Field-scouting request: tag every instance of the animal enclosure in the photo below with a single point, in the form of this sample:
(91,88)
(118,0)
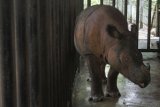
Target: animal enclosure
(143,13)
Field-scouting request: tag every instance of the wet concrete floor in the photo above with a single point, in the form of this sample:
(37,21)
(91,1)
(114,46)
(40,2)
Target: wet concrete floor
(131,94)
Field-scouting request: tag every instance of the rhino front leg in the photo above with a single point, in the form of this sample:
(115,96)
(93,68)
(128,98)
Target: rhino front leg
(112,90)
(102,74)
(96,84)
(102,71)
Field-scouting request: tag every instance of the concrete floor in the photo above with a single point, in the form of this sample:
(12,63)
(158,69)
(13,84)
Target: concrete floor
(131,94)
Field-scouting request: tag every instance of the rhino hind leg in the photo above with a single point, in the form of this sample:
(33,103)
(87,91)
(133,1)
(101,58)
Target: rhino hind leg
(96,84)
(112,90)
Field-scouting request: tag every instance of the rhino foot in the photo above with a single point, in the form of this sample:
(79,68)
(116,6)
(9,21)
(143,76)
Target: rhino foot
(113,94)
(96,98)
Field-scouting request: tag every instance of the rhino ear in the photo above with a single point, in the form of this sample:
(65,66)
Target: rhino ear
(113,32)
(134,29)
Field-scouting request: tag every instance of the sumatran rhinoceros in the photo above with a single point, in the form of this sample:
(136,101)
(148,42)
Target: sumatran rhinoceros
(102,37)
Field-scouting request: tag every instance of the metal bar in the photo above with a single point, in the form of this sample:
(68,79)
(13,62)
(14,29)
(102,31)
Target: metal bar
(158,21)
(134,30)
(149,23)
(53,55)
(6,58)
(32,61)
(1,57)
(113,3)
(21,54)
(49,30)
(125,8)
(61,60)
(44,94)
(137,16)
(88,3)
(101,2)
(14,34)
(149,50)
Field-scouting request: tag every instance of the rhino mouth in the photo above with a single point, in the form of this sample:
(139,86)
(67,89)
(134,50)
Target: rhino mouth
(143,78)
(143,85)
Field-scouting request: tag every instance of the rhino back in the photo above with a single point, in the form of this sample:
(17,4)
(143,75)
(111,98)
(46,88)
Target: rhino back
(91,36)
(79,33)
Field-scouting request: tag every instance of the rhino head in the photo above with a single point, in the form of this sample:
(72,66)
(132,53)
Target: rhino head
(125,57)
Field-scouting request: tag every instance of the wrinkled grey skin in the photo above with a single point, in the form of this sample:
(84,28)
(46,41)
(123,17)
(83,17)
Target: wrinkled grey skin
(102,37)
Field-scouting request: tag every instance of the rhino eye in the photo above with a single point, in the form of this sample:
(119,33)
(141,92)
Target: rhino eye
(124,59)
